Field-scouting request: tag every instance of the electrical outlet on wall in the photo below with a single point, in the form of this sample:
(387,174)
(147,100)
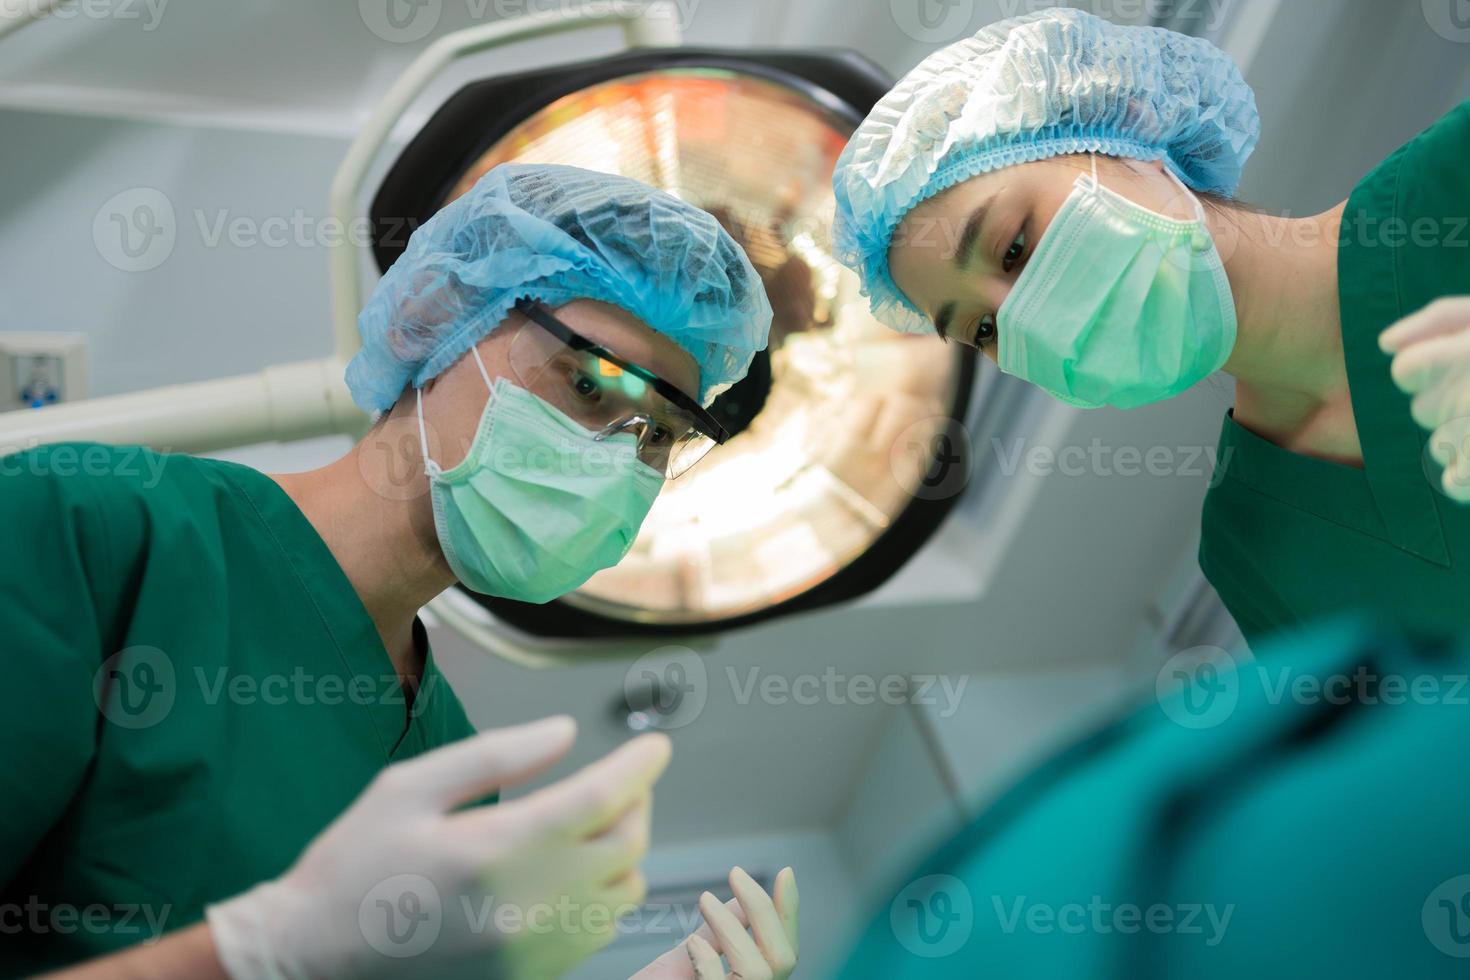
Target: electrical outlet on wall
(40,369)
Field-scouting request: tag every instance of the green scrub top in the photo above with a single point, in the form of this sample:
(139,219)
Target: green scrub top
(1287,538)
(196,691)
(1234,830)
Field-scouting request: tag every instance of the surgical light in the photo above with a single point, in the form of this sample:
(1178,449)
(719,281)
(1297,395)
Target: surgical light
(819,495)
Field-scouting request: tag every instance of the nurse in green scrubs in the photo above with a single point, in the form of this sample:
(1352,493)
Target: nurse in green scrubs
(1288,818)
(208,664)
(1055,191)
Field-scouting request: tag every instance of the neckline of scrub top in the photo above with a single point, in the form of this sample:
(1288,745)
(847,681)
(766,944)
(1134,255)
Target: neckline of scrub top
(1332,491)
(1391,498)
(1370,296)
(343,615)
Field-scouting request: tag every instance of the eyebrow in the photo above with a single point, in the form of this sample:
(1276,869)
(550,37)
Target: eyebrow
(964,255)
(970,239)
(943,320)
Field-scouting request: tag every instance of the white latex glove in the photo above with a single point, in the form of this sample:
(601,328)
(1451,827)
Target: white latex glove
(769,955)
(407,884)
(1432,362)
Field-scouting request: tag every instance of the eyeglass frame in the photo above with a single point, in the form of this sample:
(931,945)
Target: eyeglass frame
(705,423)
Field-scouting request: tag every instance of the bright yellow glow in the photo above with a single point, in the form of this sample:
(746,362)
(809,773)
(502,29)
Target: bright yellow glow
(814,479)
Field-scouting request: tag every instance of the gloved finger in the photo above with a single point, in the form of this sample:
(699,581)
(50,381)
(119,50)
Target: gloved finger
(609,858)
(1450,446)
(1456,480)
(1423,365)
(1437,410)
(788,906)
(587,800)
(706,961)
(598,912)
(591,865)
(1446,400)
(740,950)
(1450,441)
(1438,318)
(770,933)
(629,836)
(625,895)
(636,821)
(707,933)
(676,962)
(477,766)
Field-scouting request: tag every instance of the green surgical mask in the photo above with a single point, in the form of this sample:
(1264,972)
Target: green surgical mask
(539,504)
(1120,306)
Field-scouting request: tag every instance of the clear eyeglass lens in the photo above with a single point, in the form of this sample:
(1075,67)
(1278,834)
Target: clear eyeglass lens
(604,398)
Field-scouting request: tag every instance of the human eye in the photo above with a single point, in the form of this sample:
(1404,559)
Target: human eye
(1015,254)
(583,385)
(986,332)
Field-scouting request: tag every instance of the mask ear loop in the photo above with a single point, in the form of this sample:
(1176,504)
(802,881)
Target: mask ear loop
(1199,208)
(431,467)
(1096,183)
(490,385)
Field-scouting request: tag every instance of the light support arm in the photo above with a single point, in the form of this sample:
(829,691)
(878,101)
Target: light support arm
(650,25)
(307,399)
(300,401)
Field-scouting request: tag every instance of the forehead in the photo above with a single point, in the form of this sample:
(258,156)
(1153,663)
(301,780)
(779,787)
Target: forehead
(630,338)
(921,256)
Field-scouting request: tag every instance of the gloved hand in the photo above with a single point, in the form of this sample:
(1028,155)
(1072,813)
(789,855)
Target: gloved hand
(407,884)
(770,955)
(1432,363)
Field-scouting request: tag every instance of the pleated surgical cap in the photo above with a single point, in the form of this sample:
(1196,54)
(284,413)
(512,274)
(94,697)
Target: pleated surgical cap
(557,234)
(1058,82)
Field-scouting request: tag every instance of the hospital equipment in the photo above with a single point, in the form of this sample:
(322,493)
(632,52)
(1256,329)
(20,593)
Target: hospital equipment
(750,137)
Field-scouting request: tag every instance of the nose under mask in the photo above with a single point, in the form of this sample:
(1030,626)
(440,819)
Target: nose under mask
(539,504)
(1120,306)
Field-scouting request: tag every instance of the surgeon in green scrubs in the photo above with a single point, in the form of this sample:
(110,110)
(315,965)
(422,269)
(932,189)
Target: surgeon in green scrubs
(1286,817)
(1056,191)
(207,664)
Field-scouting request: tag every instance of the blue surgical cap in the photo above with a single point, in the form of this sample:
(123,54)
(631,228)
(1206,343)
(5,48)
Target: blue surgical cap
(557,234)
(1044,85)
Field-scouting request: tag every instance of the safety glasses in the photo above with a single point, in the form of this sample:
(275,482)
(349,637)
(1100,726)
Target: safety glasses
(610,395)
